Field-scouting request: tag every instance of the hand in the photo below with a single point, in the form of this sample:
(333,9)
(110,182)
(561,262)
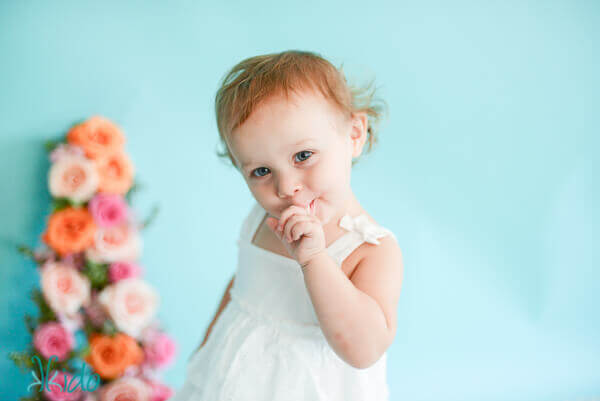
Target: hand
(301,232)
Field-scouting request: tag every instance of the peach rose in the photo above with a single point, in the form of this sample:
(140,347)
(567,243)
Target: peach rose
(73,177)
(131,304)
(126,389)
(70,230)
(64,288)
(111,356)
(119,243)
(116,173)
(97,136)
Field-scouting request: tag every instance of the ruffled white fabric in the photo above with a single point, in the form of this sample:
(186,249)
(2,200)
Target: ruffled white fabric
(361,224)
(267,344)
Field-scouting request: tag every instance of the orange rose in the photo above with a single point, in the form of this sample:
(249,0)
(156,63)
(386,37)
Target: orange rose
(110,356)
(116,173)
(70,230)
(97,136)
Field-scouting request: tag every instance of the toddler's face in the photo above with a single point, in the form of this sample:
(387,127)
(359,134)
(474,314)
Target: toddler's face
(291,153)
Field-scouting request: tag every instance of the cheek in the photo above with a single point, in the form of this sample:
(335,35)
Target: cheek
(260,192)
(326,177)
(318,178)
(264,193)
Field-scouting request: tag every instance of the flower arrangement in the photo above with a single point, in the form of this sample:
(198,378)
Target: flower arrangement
(91,284)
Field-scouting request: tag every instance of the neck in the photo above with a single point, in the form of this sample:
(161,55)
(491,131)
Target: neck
(351,207)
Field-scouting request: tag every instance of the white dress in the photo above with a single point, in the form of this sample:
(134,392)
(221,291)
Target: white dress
(267,344)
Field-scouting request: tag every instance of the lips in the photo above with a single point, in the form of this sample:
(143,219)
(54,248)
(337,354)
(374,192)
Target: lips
(312,205)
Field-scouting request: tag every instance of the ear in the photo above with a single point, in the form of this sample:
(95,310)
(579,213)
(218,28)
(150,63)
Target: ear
(358,133)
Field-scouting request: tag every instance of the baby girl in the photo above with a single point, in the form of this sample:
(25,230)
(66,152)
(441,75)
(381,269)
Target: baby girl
(311,309)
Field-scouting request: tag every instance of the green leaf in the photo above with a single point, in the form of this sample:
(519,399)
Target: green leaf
(22,359)
(97,273)
(59,204)
(153,213)
(83,352)
(30,323)
(62,203)
(27,251)
(36,396)
(46,313)
(109,328)
(137,185)
(88,327)
(50,144)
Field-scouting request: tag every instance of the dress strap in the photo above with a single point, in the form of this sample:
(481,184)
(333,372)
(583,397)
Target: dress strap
(251,222)
(361,229)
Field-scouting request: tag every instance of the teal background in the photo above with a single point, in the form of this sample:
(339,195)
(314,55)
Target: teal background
(483,170)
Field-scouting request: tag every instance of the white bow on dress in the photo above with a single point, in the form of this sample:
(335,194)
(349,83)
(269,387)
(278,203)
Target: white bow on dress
(361,224)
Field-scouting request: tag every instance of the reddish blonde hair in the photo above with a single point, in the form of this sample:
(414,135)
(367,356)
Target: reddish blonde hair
(257,78)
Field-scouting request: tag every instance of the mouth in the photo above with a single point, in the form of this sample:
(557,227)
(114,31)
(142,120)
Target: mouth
(311,207)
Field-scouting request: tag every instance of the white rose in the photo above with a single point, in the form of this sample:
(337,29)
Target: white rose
(119,243)
(64,288)
(73,177)
(131,304)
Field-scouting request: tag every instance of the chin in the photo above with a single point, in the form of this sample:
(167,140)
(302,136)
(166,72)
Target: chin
(321,214)
(324,219)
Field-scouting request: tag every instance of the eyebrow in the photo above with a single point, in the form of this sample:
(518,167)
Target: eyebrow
(293,145)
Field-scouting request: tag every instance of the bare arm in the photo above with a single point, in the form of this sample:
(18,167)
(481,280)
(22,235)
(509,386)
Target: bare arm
(358,315)
(222,305)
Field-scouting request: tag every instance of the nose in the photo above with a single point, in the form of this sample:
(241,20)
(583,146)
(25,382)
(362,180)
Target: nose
(288,186)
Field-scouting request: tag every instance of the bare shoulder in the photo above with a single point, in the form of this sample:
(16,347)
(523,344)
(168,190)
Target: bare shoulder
(379,273)
(383,257)
(387,252)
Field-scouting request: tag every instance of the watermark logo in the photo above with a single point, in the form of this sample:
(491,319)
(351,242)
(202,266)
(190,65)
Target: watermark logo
(46,382)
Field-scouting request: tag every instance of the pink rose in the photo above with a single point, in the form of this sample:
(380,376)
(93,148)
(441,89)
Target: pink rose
(108,209)
(159,349)
(122,270)
(53,339)
(160,392)
(62,393)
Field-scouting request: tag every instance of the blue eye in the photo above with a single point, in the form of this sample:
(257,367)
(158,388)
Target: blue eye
(260,169)
(304,152)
